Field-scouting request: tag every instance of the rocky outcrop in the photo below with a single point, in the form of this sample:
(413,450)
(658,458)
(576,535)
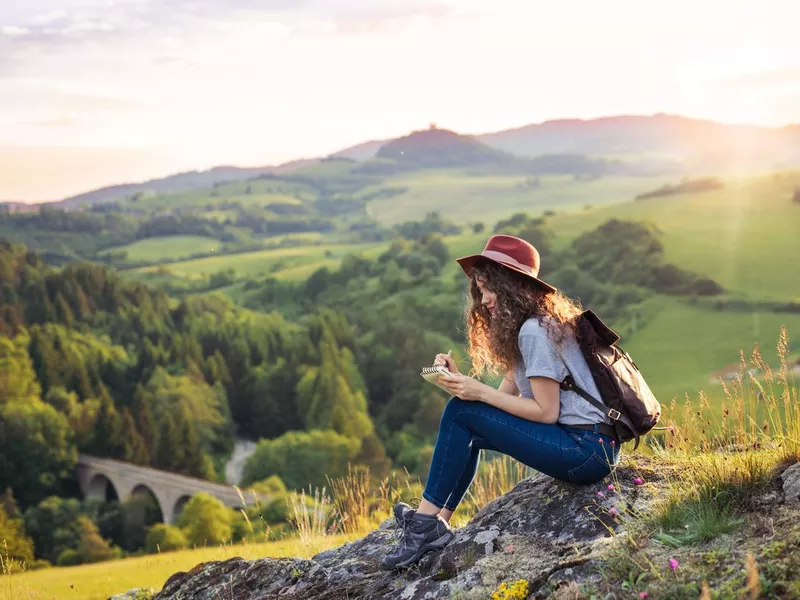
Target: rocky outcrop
(791,484)
(543,531)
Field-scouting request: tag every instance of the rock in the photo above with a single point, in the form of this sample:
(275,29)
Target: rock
(791,484)
(137,594)
(544,531)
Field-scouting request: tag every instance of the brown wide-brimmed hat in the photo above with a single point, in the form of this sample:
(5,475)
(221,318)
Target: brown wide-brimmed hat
(511,252)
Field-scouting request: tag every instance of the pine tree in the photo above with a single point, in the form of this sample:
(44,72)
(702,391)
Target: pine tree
(108,439)
(135,449)
(145,422)
(64,311)
(169,451)
(333,402)
(193,460)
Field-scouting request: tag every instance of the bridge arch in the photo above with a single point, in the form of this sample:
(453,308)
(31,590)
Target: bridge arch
(150,502)
(179,504)
(101,488)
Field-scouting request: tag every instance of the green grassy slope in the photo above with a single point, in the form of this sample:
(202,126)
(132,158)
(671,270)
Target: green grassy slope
(173,246)
(681,347)
(261,261)
(489,198)
(744,236)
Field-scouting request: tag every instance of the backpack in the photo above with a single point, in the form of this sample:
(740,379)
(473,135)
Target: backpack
(627,399)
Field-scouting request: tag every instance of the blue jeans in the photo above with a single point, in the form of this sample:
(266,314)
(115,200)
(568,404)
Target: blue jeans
(574,455)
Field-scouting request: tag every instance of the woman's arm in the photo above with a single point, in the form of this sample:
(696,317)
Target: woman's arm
(544,408)
(508,385)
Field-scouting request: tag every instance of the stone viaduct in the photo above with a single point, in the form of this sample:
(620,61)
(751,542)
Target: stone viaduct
(170,490)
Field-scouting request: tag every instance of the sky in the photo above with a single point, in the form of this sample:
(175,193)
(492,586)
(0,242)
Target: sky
(97,92)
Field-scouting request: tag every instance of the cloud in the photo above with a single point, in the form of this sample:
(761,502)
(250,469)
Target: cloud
(13,31)
(764,80)
(76,27)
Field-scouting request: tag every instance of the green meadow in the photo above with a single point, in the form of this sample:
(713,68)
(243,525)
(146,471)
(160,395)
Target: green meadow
(259,192)
(681,347)
(745,236)
(466,198)
(263,261)
(173,246)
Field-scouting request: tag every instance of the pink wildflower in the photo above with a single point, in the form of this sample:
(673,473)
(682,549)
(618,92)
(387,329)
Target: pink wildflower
(601,495)
(613,443)
(643,595)
(638,481)
(613,512)
(610,487)
(673,564)
(600,440)
(510,548)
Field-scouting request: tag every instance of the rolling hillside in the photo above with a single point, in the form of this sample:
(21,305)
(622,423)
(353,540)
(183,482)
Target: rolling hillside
(665,140)
(698,145)
(744,235)
(180,181)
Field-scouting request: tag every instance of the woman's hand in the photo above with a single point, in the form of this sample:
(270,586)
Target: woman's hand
(464,387)
(447,361)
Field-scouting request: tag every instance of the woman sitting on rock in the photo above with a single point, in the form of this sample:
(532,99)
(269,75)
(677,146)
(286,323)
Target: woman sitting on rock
(523,327)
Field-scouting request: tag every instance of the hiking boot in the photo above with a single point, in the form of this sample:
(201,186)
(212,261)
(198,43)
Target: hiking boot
(402,511)
(420,534)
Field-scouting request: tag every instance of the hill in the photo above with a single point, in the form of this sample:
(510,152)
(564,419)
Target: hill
(179,182)
(666,143)
(701,144)
(435,148)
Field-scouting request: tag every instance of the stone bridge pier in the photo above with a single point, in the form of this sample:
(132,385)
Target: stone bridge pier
(172,491)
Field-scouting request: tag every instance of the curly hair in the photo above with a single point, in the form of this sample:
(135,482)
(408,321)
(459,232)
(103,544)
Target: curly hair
(493,340)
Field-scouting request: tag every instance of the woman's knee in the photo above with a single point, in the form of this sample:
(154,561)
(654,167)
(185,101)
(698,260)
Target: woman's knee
(454,407)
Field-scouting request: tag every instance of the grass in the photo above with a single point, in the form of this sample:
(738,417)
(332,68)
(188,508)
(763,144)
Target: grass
(173,246)
(262,192)
(101,580)
(467,198)
(744,236)
(262,261)
(682,346)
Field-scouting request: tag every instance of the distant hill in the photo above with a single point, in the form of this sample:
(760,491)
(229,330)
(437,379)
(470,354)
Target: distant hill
(181,182)
(361,152)
(433,148)
(699,143)
(657,142)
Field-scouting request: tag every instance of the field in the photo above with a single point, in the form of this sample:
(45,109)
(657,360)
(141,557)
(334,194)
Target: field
(467,199)
(173,246)
(99,581)
(682,346)
(264,261)
(744,236)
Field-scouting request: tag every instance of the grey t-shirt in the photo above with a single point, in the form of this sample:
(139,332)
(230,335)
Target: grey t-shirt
(540,357)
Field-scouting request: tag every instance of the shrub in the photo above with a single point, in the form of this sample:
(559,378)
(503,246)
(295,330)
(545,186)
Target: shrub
(163,538)
(91,546)
(13,541)
(68,558)
(205,520)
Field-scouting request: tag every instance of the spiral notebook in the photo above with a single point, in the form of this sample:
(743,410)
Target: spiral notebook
(432,374)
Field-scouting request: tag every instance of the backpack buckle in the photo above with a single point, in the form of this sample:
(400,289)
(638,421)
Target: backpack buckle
(614,414)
